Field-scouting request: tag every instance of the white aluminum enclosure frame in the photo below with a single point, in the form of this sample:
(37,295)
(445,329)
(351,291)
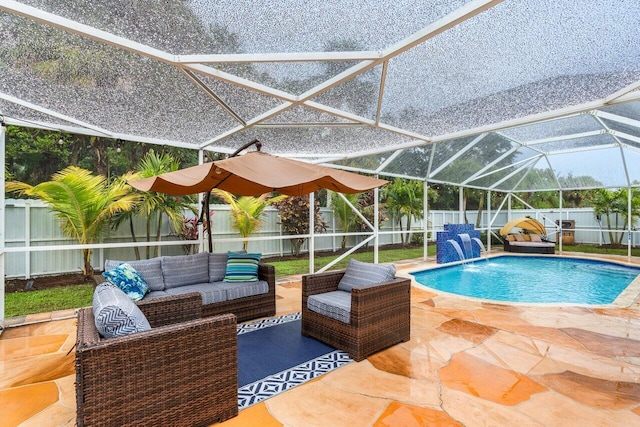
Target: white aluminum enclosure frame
(2,223)
(195,67)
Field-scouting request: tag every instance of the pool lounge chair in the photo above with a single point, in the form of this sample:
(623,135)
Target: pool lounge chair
(528,243)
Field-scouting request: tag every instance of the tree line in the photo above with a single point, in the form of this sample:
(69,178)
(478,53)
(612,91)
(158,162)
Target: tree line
(90,194)
(87,202)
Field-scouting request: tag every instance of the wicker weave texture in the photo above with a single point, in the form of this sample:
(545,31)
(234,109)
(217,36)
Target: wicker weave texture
(380,315)
(180,373)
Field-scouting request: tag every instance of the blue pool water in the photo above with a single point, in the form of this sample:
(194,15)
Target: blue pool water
(533,280)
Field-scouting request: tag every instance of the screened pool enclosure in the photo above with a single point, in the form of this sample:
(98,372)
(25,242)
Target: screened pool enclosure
(507,96)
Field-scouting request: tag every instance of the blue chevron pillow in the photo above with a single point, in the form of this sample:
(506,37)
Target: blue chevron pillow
(115,314)
(129,280)
(242,267)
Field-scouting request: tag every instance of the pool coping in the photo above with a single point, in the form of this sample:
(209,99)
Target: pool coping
(625,299)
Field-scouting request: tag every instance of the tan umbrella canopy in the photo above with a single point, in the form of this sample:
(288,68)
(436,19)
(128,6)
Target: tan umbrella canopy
(253,174)
(526,223)
(257,173)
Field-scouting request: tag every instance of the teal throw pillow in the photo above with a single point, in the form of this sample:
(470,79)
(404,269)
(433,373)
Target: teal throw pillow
(242,267)
(128,280)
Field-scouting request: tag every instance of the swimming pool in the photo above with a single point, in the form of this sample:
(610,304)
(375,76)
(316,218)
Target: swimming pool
(533,279)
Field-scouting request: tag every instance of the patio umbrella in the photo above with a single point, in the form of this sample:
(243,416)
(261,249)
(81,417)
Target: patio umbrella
(257,173)
(253,174)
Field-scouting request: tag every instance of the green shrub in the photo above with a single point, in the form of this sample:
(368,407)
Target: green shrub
(417,238)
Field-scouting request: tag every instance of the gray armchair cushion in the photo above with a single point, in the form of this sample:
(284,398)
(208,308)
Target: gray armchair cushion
(115,314)
(362,274)
(183,270)
(149,269)
(335,304)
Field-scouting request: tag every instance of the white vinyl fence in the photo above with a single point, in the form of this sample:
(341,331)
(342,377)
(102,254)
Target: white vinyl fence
(588,229)
(29,223)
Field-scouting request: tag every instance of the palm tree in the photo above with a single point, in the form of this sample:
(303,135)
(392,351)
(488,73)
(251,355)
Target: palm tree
(607,202)
(623,208)
(83,202)
(602,202)
(404,198)
(246,211)
(154,206)
(348,219)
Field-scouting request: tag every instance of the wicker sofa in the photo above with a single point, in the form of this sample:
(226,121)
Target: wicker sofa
(379,316)
(182,372)
(203,273)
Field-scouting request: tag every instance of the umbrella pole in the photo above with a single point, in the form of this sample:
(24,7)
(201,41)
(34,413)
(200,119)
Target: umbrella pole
(207,196)
(206,209)
(205,217)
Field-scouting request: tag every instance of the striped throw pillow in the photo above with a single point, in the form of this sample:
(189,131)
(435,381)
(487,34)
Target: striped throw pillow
(242,267)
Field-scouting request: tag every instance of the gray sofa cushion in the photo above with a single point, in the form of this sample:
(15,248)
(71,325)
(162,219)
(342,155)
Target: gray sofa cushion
(156,294)
(211,292)
(217,266)
(149,269)
(363,274)
(184,270)
(335,304)
(115,314)
(245,289)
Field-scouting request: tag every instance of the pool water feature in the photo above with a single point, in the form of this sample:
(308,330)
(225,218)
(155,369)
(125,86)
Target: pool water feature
(468,247)
(480,244)
(447,252)
(533,279)
(457,248)
(466,244)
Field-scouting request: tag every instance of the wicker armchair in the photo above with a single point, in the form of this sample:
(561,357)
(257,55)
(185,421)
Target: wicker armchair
(182,372)
(380,315)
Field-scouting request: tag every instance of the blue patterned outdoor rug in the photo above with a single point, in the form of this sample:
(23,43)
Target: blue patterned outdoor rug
(273,357)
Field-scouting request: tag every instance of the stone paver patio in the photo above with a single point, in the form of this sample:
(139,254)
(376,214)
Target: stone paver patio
(468,363)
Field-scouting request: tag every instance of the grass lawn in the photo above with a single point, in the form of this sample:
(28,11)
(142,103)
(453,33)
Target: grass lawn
(599,250)
(44,300)
(301,266)
(74,296)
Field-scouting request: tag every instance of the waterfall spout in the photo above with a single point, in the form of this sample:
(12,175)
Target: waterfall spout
(458,249)
(479,242)
(466,244)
